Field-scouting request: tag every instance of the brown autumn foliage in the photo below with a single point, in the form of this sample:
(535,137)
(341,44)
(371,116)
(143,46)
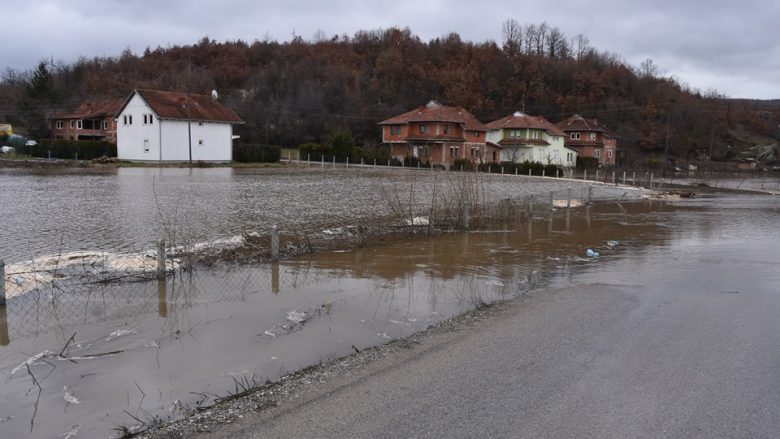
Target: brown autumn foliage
(290,93)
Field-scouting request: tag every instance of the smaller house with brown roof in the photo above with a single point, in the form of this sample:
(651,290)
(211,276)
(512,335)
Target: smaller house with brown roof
(590,138)
(522,137)
(437,134)
(92,120)
(155,125)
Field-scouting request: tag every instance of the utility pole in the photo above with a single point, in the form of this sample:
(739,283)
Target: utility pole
(189,115)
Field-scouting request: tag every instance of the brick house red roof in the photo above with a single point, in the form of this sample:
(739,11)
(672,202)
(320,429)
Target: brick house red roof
(519,120)
(435,112)
(173,105)
(94,108)
(579,123)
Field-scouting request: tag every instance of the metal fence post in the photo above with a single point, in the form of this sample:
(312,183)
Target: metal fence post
(161,260)
(624,178)
(544,171)
(274,243)
(334,161)
(529,172)
(633,178)
(2,283)
(347,163)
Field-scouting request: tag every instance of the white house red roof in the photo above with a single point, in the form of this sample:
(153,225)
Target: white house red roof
(173,105)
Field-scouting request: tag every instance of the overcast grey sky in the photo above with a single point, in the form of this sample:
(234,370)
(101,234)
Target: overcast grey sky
(731,46)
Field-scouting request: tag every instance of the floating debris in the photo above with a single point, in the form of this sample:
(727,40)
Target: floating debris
(591,253)
(612,244)
(69,396)
(418,221)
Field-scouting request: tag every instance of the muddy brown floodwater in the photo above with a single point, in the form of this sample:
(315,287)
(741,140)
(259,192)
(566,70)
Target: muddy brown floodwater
(147,351)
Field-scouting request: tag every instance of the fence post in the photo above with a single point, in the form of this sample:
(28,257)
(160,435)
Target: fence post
(347,163)
(516,170)
(502,170)
(552,201)
(375,163)
(633,178)
(597,175)
(322,164)
(568,197)
(652,177)
(624,178)
(465,217)
(529,172)
(585,175)
(388,163)
(308,160)
(590,194)
(161,260)
(2,282)
(334,162)
(274,243)
(544,171)
(614,179)
(557,173)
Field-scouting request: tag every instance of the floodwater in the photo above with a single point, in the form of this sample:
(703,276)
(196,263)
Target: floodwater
(151,350)
(48,212)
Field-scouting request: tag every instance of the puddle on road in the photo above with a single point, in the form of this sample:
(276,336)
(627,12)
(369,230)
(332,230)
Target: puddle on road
(152,350)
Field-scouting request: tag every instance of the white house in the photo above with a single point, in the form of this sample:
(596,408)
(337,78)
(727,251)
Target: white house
(530,138)
(154,125)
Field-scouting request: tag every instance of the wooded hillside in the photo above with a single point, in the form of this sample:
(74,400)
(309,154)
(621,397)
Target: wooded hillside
(290,93)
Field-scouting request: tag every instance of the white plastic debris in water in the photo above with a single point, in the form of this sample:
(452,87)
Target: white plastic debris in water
(612,244)
(591,253)
(119,333)
(495,283)
(418,221)
(69,396)
(297,316)
(74,432)
(336,231)
(30,361)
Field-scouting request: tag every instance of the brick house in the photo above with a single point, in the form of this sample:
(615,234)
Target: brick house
(590,138)
(437,134)
(522,137)
(92,120)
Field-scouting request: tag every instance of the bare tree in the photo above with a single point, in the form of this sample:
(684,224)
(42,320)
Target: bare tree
(513,37)
(531,32)
(580,45)
(556,44)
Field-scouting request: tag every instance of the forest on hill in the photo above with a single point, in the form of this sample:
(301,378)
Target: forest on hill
(296,92)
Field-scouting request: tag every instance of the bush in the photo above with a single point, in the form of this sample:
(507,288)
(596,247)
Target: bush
(314,151)
(256,153)
(465,164)
(70,149)
(587,163)
(413,162)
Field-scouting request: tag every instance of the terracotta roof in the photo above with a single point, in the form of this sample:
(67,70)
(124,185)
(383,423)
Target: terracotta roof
(173,105)
(521,142)
(520,120)
(579,123)
(435,112)
(94,108)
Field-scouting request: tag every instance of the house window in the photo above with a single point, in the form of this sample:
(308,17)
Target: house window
(535,134)
(105,125)
(514,134)
(200,142)
(127,119)
(592,136)
(146,145)
(423,129)
(395,130)
(72,124)
(453,151)
(475,133)
(148,119)
(575,136)
(79,124)
(474,152)
(598,153)
(609,153)
(446,129)
(60,124)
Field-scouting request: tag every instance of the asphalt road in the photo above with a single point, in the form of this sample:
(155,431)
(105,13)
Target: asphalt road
(588,361)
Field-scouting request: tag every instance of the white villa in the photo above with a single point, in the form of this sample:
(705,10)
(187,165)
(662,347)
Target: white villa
(154,125)
(527,138)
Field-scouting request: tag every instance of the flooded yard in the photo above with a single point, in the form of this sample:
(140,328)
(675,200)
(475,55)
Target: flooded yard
(111,356)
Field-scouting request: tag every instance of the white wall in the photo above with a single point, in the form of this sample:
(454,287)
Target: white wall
(210,141)
(130,138)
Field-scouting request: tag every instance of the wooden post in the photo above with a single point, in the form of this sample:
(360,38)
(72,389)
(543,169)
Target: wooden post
(308,160)
(515,170)
(651,180)
(274,243)
(347,163)
(334,161)
(614,180)
(529,172)
(633,178)
(275,278)
(624,178)
(568,197)
(375,163)
(544,171)
(161,260)
(2,283)
(322,157)
(502,170)
(585,175)
(597,175)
